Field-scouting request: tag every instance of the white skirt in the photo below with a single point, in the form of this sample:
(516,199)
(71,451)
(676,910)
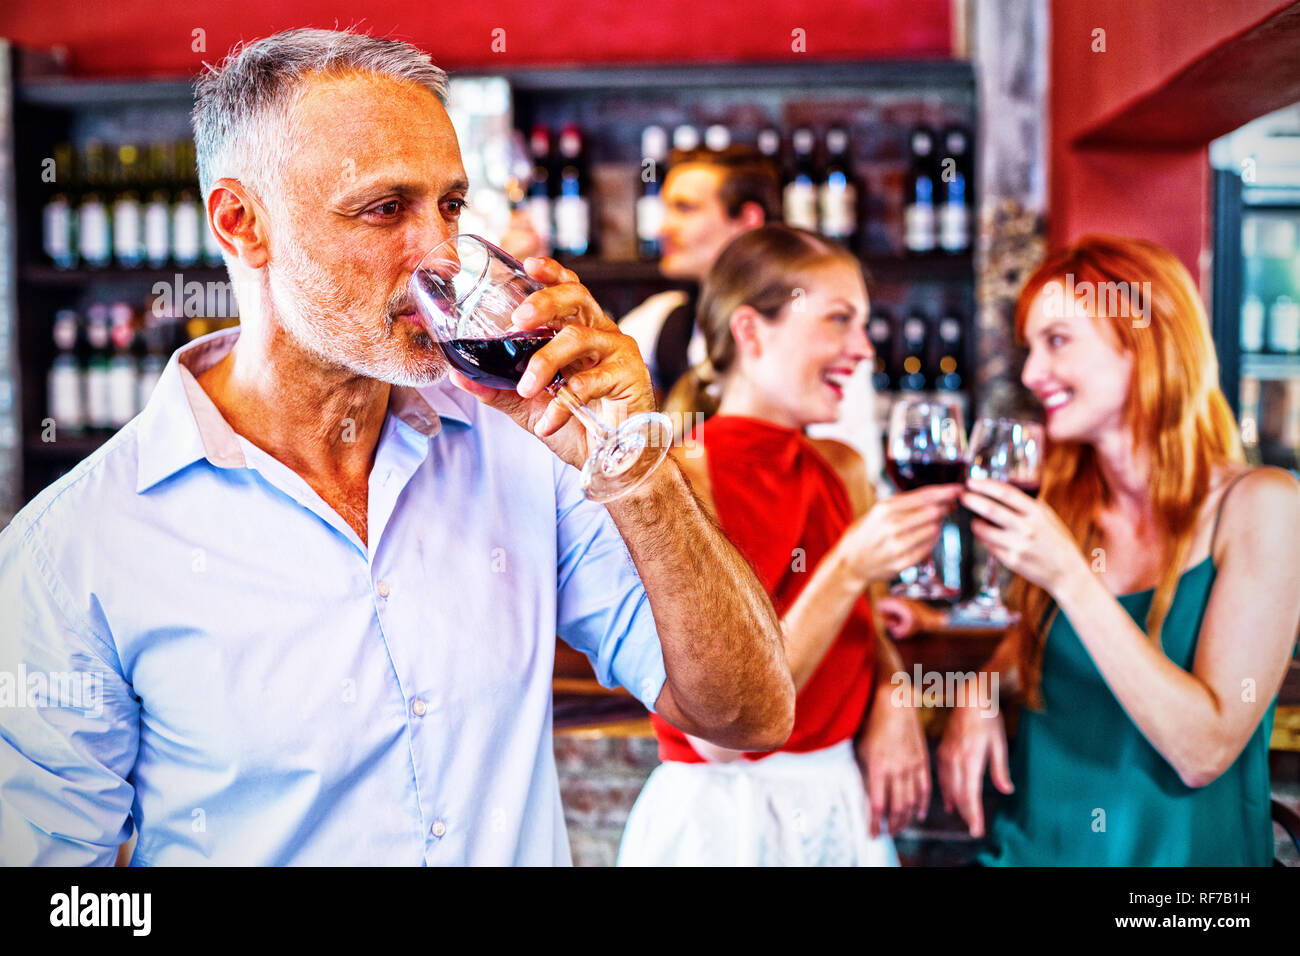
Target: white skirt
(789,809)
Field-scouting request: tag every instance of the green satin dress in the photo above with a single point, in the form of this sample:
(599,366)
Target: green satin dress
(1091,791)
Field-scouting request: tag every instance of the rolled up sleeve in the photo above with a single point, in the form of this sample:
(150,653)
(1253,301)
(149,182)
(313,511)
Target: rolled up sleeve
(69,721)
(602,606)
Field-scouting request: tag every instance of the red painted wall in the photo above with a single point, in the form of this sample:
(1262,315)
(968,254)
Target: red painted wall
(145,37)
(1160,195)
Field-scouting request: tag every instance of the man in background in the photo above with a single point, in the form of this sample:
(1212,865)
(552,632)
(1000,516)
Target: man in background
(710,197)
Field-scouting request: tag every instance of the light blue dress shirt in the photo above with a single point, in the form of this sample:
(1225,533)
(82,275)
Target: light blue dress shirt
(196,645)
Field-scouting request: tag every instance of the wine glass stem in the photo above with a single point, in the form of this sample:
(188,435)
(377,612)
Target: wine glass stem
(580,411)
(992,581)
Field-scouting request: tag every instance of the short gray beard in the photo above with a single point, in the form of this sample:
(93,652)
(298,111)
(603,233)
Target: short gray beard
(319,316)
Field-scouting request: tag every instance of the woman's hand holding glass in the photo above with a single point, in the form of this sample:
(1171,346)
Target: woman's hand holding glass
(896,533)
(1023,534)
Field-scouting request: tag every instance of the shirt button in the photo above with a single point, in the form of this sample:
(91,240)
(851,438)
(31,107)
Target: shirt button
(418,708)
(382,588)
(438,828)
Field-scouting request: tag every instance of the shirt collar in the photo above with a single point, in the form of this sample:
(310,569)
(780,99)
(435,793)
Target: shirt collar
(180,424)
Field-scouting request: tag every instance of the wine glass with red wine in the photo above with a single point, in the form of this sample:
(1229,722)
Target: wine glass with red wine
(465,291)
(926,446)
(1010,450)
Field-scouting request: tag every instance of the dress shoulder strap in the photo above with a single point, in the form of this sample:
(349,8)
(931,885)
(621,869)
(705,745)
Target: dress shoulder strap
(1218,514)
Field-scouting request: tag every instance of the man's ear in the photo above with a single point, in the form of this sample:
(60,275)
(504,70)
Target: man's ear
(238,222)
(751,215)
(745,322)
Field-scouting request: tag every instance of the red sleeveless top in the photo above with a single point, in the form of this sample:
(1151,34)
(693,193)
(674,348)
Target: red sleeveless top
(784,507)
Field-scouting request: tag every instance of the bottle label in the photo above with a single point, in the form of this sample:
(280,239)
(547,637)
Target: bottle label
(98,411)
(571,224)
(800,202)
(954,226)
(649,217)
(65,395)
(157,233)
(918,227)
(122,391)
(1252,325)
(839,211)
(539,214)
(128,232)
(1284,326)
(151,370)
(186,243)
(58,233)
(93,234)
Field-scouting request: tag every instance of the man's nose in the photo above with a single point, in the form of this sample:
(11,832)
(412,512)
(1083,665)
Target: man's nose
(430,235)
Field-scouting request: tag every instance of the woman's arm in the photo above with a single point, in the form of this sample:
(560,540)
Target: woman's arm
(1198,721)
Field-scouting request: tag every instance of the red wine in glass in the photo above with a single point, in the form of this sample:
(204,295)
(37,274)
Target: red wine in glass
(496,362)
(910,474)
(1028,488)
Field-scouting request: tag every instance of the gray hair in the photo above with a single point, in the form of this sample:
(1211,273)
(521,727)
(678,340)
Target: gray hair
(242,108)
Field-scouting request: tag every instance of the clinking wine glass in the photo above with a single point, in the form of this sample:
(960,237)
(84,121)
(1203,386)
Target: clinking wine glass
(926,446)
(465,290)
(1010,450)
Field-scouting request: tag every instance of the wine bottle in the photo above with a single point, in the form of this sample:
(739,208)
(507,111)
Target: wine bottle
(187,208)
(769,145)
(919,212)
(572,204)
(66,384)
(799,196)
(880,330)
(650,205)
(158,207)
(98,410)
(58,218)
(150,341)
(1252,324)
(123,389)
(94,224)
(948,367)
(914,348)
(954,189)
(128,211)
(1284,326)
(539,188)
(837,196)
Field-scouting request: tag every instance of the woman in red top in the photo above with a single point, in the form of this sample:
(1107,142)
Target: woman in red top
(784,312)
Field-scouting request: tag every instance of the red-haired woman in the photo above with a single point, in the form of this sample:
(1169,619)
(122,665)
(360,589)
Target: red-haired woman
(1159,582)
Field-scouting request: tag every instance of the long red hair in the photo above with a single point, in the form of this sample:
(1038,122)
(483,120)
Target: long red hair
(1175,411)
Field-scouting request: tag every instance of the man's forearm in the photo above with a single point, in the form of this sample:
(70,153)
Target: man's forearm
(728,679)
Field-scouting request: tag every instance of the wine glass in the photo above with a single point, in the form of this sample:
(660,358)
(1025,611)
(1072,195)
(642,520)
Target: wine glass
(1010,450)
(465,290)
(926,446)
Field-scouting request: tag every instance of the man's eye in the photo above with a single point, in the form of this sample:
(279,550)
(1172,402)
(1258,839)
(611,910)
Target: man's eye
(458,206)
(386,210)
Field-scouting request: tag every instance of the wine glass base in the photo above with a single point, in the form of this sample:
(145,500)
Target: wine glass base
(977,613)
(628,457)
(925,591)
